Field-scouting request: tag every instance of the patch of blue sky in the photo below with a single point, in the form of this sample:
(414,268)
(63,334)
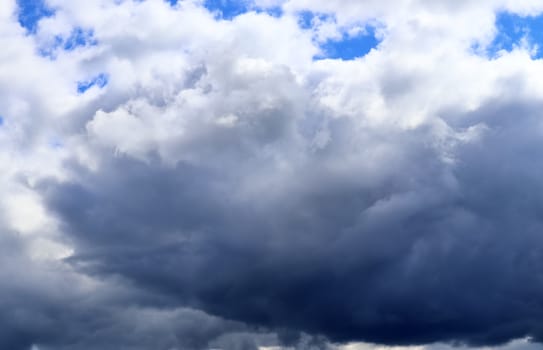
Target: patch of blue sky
(275,11)
(514,31)
(1,120)
(30,12)
(307,19)
(227,9)
(101,80)
(78,37)
(350,47)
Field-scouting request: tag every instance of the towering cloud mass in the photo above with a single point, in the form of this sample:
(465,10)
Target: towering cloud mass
(270,174)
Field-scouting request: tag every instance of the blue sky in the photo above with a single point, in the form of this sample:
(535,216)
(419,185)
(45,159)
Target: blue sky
(227,9)
(512,29)
(78,37)
(350,47)
(100,81)
(31,11)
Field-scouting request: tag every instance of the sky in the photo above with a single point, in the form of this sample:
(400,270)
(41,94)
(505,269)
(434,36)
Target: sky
(271,175)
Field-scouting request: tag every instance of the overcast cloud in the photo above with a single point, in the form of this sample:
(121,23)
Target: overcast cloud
(271,174)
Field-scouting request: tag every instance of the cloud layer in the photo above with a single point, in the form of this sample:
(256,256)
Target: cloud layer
(181,176)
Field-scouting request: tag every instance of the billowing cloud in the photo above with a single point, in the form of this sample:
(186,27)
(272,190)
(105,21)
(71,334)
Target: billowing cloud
(270,174)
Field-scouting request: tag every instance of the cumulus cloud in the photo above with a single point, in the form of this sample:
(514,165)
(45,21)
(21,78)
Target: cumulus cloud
(175,179)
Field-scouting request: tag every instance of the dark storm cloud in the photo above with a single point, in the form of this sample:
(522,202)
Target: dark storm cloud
(49,306)
(416,250)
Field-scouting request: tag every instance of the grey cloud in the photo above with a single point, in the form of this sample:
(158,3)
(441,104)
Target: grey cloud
(418,251)
(48,305)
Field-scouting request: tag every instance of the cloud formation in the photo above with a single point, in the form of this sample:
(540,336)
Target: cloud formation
(179,179)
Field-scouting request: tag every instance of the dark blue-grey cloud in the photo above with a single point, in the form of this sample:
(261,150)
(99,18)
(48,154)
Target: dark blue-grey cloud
(426,251)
